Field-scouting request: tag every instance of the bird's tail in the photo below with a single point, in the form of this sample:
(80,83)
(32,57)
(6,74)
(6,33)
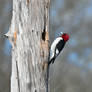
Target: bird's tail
(51,61)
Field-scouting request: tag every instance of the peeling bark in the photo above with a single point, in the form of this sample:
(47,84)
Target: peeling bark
(29,37)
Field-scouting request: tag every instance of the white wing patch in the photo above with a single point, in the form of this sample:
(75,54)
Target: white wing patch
(53,46)
(57,52)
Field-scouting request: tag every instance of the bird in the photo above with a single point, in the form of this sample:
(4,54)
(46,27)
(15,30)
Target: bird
(57,46)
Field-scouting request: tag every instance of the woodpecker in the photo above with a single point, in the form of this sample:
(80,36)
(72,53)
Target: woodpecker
(57,46)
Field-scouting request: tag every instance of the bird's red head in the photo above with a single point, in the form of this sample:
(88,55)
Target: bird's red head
(65,36)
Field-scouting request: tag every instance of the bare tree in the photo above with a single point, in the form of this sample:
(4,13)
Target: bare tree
(29,37)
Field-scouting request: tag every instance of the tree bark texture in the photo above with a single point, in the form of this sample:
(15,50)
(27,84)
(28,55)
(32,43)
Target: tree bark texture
(29,37)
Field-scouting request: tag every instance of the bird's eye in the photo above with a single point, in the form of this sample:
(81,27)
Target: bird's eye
(64,34)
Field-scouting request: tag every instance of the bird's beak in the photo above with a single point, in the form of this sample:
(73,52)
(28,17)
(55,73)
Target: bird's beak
(61,33)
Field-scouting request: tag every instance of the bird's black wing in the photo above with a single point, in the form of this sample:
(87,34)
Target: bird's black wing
(59,47)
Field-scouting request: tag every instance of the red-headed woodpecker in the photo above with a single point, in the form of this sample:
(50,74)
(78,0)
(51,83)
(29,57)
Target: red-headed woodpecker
(57,46)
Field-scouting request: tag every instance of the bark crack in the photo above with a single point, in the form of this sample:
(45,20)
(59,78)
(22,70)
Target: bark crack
(28,1)
(44,29)
(18,76)
(43,34)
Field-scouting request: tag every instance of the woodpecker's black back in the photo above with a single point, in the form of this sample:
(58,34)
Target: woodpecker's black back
(60,45)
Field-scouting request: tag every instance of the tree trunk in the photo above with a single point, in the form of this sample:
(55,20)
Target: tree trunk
(29,37)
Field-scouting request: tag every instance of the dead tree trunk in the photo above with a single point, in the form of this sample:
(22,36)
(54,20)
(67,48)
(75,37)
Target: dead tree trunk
(28,35)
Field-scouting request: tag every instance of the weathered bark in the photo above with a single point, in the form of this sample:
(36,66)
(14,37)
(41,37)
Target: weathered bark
(28,35)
